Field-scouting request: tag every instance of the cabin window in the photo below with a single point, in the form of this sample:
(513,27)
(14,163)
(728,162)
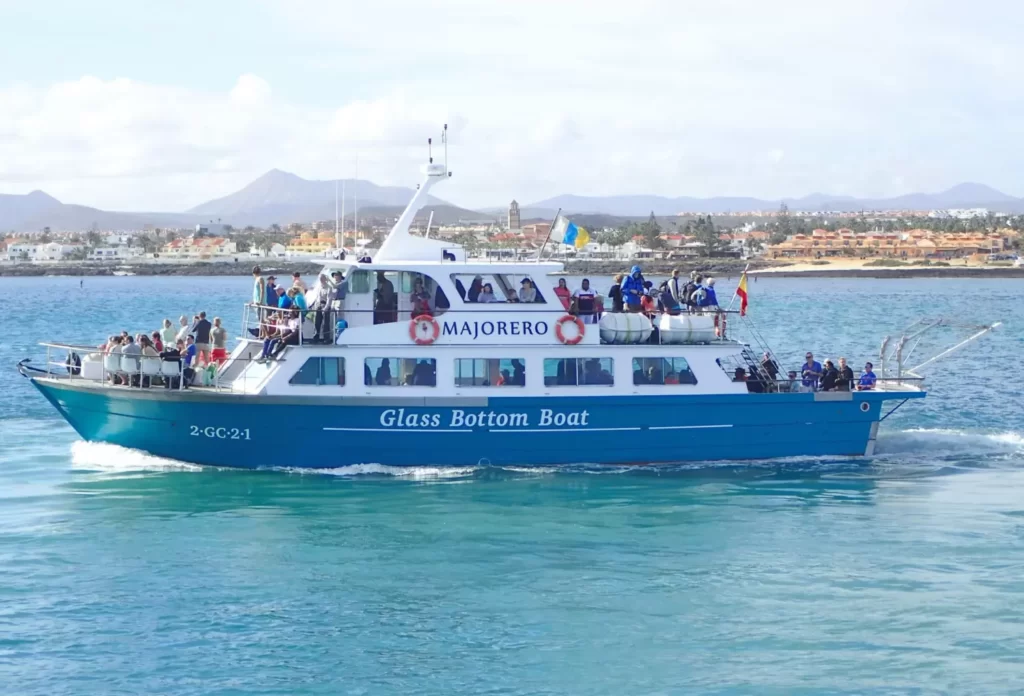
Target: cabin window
(490,372)
(358,282)
(400,372)
(320,372)
(487,288)
(578,372)
(662,371)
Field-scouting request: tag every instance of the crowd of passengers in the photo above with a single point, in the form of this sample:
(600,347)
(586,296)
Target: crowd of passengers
(813,376)
(196,348)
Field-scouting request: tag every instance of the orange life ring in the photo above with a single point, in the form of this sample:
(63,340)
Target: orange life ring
(580,330)
(429,324)
(720,329)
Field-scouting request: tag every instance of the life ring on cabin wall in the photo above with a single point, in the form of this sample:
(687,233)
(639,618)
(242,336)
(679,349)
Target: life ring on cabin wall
(720,326)
(560,333)
(424,330)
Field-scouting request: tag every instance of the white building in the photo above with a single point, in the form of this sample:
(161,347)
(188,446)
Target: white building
(53,251)
(115,253)
(21,251)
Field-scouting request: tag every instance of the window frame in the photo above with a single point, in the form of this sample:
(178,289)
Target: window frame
(691,381)
(320,373)
(581,370)
(401,375)
(457,375)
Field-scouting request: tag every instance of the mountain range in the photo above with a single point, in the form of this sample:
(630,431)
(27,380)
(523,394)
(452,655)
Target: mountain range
(967,195)
(281,197)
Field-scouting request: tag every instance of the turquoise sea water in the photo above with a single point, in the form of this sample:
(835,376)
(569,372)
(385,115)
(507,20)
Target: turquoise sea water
(123,574)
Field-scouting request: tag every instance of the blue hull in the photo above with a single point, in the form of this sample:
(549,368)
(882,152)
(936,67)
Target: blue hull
(255,432)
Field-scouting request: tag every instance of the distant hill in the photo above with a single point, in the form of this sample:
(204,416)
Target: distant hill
(967,195)
(283,197)
(15,210)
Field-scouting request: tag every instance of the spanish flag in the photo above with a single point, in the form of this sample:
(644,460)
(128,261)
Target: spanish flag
(741,290)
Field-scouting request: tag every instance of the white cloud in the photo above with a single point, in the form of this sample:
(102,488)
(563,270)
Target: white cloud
(545,97)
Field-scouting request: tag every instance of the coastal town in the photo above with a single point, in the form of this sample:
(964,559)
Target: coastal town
(780,239)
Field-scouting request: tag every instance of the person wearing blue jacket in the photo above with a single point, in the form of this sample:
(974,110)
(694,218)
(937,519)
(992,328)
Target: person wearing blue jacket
(710,299)
(633,289)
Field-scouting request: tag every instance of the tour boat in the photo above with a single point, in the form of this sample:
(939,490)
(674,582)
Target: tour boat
(473,383)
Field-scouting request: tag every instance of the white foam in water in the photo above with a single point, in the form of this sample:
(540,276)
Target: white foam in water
(413,472)
(107,458)
(941,441)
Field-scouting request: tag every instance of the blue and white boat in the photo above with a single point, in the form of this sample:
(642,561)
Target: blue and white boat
(500,383)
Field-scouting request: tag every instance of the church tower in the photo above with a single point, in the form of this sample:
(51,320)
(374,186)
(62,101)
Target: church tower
(513,216)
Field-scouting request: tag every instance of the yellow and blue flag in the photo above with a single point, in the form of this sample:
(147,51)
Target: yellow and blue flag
(570,233)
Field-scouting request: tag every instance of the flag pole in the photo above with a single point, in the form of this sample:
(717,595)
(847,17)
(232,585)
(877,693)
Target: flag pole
(735,293)
(540,254)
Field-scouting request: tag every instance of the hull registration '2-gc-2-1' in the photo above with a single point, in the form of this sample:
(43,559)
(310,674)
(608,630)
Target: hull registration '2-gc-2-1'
(418,355)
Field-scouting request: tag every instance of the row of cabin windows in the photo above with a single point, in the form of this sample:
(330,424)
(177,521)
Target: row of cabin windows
(497,372)
(504,287)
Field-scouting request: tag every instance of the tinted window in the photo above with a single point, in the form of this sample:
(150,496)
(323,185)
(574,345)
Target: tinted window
(359,282)
(397,372)
(490,372)
(321,372)
(662,371)
(578,372)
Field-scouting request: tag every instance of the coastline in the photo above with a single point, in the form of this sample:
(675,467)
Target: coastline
(277,266)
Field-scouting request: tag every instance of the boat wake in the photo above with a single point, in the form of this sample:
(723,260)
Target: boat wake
(914,446)
(100,457)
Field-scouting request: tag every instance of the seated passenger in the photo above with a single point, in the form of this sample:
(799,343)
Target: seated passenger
(639,377)
(671,378)
(789,384)
(423,374)
(504,379)
(527,293)
(518,373)
(473,295)
(563,294)
(486,294)
(654,375)
(511,296)
(283,301)
(420,299)
(867,379)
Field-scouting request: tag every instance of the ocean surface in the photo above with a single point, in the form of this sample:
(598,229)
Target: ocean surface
(903,574)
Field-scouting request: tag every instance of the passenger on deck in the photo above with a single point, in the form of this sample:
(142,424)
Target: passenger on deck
(168,334)
(158,343)
(633,289)
(829,377)
(711,301)
(699,296)
(219,340)
(769,367)
(486,294)
(789,384)
(259,286)
(385,304)
(647,299)
(190,351)
(201,330)
(511,296)
(593,374)
(289,335)
(475,288)
(298,282)
(283,301)
(754,386)
(322,304)
(420,299)
(677,287)
(173,354)
(563,293)
(504,379)
(299,300)
(810,373)
(583,303)
(672,378)
(183,328)
(688,290)
(845,380)
(867,379)
(666,300)
(615,293)
(527,293)
(132,349)
(383,376)
(272,296)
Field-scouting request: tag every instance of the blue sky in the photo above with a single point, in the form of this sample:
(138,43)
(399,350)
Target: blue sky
(129,105)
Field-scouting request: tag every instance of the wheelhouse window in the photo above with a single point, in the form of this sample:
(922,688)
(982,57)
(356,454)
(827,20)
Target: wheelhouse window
(400,372)
(490,372)
(320,372)
(578,372)
(662,371)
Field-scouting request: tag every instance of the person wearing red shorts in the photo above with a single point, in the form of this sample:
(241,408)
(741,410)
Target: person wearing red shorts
(219,339)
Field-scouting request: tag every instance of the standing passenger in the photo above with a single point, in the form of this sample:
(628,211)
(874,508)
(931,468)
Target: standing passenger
(219,337)
(615,293)
(563,293)
(584,297)
(633,289)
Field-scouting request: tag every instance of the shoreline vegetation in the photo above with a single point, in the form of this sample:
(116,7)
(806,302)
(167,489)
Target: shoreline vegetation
(718,267)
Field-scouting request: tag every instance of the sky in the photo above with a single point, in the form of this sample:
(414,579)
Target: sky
(162,106)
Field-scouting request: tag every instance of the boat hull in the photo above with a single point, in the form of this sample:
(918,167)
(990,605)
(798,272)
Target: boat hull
(249,431)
